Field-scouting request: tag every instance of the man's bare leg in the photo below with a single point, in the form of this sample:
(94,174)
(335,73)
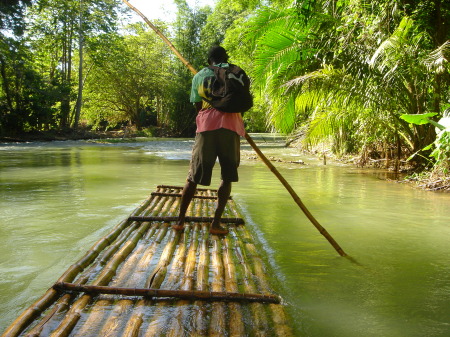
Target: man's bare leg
(186,197)
(223,193)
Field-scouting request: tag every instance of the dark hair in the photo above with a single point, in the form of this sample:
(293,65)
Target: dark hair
(217,54)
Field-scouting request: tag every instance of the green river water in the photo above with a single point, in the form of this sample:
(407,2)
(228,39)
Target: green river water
(58,198)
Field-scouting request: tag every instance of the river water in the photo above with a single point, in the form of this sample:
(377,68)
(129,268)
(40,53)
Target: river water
(58,198)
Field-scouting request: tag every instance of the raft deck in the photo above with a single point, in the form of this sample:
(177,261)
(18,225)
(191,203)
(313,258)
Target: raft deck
(146,279)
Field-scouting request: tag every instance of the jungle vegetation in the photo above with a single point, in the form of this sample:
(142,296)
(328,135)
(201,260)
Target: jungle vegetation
(367,78)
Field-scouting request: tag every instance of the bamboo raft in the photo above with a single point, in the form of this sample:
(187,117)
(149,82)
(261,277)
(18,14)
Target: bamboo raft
(146,279)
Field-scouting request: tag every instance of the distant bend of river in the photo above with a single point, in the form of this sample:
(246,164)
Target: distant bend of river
(58,198)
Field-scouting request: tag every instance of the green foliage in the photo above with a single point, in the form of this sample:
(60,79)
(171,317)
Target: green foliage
(419,119)
(349,70)
(217,24)
(129,78)
(126,78)
(441,151)
(38,68)
(187,40)
(11,15)
(27,98)
(345,71)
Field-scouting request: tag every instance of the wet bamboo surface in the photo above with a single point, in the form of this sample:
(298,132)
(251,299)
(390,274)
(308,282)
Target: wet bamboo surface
(146,279)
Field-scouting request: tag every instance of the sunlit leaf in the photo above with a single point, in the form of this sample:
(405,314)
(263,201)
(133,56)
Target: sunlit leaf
(418,119)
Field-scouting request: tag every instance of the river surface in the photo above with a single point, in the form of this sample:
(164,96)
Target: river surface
(58,198)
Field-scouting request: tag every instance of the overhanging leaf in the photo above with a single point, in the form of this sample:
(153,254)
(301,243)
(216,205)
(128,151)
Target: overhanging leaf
(418,119)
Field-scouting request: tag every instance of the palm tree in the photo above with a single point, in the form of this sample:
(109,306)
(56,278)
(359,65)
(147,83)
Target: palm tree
(348,73)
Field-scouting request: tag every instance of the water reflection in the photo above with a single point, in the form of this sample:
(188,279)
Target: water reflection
(59,198)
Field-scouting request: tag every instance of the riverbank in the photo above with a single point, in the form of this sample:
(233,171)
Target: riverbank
(59,135)
(403,171)
(82,134)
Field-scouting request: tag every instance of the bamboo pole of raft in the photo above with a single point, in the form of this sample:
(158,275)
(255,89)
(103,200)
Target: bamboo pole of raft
(51,295)
(278,314)
(236,326)
(217,324)
(134,317)
(259,318)
(135,269)
(183,308)
(160,271)
(99,314)
(73,315)
(62,304)
(281,323)
(106,320)
(249,139)
(136,320)
(177,328)
(160,317)
(199,324)
(181,315)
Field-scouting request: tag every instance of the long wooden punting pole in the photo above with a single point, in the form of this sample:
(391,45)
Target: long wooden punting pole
(266,161)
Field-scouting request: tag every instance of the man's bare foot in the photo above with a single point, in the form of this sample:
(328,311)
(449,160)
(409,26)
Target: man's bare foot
(218,230)
(178,227)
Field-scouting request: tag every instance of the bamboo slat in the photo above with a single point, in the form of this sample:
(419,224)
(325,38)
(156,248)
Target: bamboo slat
(198,325)
(181,322)
(179,189)
(178,195)
(51,295)
(280,320)
(182,294)
(218,324)
(105,276)
(98,313)
(109,324)
(160,317)
(146,279)
(236,327)
(209,219)
(260,325)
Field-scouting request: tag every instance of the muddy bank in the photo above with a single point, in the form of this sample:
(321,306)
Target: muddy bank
(82,134)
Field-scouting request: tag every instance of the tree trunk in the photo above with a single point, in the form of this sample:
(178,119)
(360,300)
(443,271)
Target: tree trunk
(80,71)
(5,83)
(67,75)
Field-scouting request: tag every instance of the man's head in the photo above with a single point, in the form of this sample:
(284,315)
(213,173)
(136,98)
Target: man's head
(217,54)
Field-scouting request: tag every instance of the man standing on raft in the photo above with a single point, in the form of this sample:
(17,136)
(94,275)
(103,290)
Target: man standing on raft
(217,136)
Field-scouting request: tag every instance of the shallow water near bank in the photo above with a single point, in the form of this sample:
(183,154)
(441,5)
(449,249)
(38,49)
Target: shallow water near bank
(58,198)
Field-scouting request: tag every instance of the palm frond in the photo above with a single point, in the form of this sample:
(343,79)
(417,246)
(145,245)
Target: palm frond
(268,19)
(438,59)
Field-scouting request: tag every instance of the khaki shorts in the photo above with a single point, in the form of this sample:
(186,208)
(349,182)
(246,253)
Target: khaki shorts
(210,145)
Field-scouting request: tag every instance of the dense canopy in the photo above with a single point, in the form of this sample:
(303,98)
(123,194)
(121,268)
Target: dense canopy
(345,74)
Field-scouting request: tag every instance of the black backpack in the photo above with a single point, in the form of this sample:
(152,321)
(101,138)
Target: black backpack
(229,89)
